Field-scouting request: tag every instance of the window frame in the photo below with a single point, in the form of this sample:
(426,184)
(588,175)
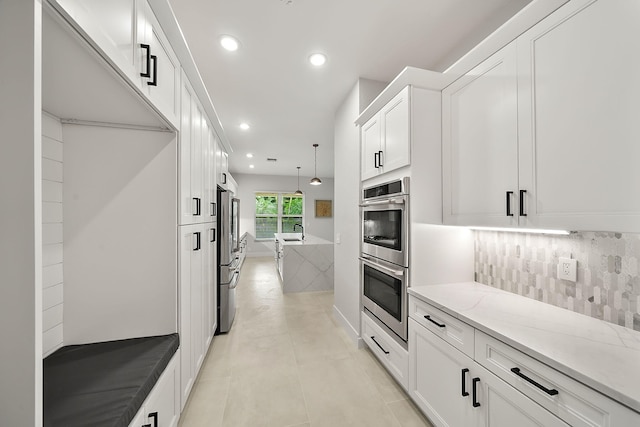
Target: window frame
(280,195)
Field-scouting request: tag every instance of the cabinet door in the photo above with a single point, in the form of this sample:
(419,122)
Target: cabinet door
(222,166)
(197,160)
(209,175)
(163,84)
(187,204)
(579,100)
(370,135)
(162,407)
(396,146)
(111,26)
(503,406)
(437,380)
(480,144)
(209,286)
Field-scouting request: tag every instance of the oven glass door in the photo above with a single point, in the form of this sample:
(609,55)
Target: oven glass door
(383,228)
(384,290)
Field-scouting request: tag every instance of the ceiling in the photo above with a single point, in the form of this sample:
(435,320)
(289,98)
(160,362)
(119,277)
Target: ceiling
(290,105)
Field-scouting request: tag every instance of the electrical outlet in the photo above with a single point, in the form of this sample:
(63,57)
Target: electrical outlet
(568,269)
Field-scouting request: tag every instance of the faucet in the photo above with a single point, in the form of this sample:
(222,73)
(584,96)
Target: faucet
(299,225)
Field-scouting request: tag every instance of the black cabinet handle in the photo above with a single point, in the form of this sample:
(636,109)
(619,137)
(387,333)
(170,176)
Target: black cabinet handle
(154,80)
(474,389)
(213,209)
(550,392)
(198,206)
(146,425)
(224,178)
(378,344)
(465,393)
(148,49)
(509,194)
(522,194)
(154,415)
(198,246)
(213,235)
(375,160)
(439,325)
(380,159)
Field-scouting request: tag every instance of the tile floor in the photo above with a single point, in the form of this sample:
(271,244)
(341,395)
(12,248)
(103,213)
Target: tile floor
(287,363)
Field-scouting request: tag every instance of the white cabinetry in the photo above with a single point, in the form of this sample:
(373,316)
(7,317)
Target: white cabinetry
(197,299)
(542,134)
(197,162)
(161,408)
(578,100)
(385,138)
(158,65)
(391,354)
(222,167)
(480,144)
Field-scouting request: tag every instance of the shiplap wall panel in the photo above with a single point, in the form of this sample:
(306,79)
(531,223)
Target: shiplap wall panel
(52,232)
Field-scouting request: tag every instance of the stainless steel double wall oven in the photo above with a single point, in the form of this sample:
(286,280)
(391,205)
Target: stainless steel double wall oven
(385,253)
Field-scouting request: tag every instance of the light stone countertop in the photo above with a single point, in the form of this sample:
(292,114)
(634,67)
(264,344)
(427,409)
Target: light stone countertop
(308,239)
(601,355)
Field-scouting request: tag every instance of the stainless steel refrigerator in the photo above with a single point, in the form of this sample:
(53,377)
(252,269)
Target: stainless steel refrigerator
(228,258)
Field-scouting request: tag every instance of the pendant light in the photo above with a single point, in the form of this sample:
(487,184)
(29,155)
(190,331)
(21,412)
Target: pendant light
(315,180)
(298,190)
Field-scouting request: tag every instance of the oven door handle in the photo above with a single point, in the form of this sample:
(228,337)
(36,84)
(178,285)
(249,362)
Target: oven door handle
(382,202)
(381,267)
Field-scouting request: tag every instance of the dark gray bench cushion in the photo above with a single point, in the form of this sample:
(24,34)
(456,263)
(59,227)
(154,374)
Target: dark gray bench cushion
(103,384)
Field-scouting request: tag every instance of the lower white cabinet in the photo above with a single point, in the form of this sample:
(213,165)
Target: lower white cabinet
(391,354)
(453,390)
(162,407)
(197,299)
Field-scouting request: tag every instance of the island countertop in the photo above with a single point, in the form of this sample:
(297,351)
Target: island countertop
(308,239)
(601,355)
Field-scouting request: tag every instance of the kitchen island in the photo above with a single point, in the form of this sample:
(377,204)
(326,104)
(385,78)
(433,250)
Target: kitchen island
(304,265)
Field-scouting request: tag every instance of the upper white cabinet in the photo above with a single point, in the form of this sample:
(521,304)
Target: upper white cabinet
(480,144)
(385,138)
(222,166)
(578,104)
(542,134)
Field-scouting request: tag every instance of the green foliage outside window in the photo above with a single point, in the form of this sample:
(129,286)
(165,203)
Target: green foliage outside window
(277,213)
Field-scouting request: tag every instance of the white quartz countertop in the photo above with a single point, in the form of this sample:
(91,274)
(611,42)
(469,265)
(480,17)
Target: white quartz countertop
(601,355)
(308,239)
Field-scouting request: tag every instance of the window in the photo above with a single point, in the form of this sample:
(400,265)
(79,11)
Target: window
(277,213)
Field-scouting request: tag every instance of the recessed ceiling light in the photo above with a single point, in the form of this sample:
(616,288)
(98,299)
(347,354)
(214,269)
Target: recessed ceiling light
(244,126)
(318,59)
(251,166)
(249,155)
(229,43)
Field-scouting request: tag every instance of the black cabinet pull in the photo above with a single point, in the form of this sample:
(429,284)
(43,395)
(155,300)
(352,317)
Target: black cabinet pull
(522,194)
(146,425)
(198,206)
(550,392)
(154,80)
(224,178)
(148,49)
(509,194)
(380,159)
(439,325)
(378,344)
(154,415)
(474,389)
(375,160)
(213,209)
(213,235)
(465,393)
(197,248)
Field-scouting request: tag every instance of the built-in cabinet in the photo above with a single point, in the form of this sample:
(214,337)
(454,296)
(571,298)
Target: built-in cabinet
(385,138)
(461,376)
(162,406)
(128,34)
(222,167)
(542,134)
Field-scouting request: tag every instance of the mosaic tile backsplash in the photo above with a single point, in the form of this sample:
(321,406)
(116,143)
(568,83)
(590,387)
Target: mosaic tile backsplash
(608,285)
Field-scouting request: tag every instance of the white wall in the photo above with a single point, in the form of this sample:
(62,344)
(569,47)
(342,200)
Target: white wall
(346,209)
(20,214)
(52,223)
(248,185)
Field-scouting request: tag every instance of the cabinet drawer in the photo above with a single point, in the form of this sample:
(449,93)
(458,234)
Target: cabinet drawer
(457,333)
(387,350)
(573,402)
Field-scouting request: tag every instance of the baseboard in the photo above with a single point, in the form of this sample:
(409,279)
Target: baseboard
(353,334)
